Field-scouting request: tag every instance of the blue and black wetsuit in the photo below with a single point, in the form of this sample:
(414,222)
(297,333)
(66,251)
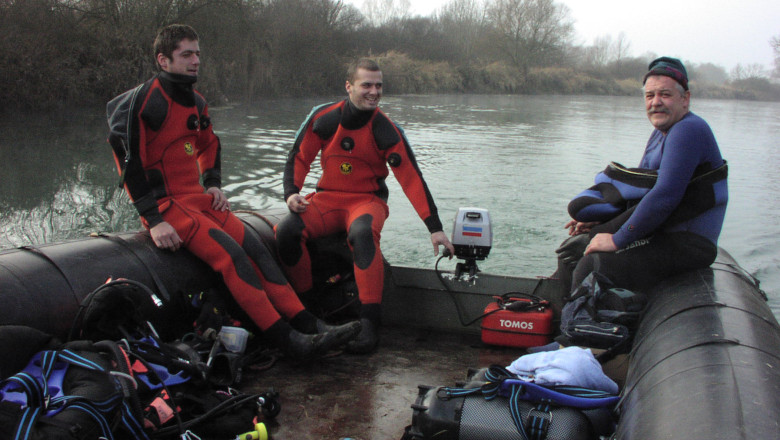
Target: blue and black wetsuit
(674,226)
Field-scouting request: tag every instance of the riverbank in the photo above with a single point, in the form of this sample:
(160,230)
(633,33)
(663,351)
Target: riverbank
(259,50)
(406,76)
(409,77)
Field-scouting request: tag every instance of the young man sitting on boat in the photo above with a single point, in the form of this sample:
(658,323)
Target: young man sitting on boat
(164,145)
(356,142)
(663,218)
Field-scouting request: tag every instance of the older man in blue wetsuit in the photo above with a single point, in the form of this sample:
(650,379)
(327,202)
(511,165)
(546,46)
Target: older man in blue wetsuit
(679,195)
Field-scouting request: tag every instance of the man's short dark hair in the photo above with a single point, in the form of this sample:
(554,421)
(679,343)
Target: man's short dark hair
(361,63)
(170,36)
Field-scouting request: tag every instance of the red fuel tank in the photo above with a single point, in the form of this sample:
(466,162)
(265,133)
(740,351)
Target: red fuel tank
(519,322)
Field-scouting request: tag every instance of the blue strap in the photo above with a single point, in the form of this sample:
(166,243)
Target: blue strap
(41,380)
(75,359)
(39,400)
(48,359)
(517,417)
(31,414)
(128,419)
(539,419)
(26,422)
(99,417)
(106,405)
(28,384)
(501,382)
(131,422)
(576,397)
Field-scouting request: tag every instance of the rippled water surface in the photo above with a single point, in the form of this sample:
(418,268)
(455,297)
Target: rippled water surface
(520,157)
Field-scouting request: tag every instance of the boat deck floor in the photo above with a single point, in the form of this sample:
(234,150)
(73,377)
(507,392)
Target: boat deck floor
(369,397)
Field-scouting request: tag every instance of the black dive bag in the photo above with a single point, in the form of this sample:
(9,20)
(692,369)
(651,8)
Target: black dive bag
(475,418)
(475,413)
(77,391)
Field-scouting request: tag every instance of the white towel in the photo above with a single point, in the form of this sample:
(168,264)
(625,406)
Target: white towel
(573,366)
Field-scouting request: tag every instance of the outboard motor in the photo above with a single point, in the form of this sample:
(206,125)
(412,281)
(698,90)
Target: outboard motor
(472,238)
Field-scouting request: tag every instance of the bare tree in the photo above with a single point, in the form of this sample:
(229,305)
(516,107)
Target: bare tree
(750,71)
(775,44)
(606,50)
(382,12)
(621,48)
(463,24)
(300,38)
(349,17)
(598,54)
(531,32)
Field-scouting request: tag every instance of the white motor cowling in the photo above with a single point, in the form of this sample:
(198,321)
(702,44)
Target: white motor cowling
(472,238)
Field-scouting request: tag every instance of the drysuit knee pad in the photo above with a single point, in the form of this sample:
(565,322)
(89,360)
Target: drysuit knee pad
(361,238)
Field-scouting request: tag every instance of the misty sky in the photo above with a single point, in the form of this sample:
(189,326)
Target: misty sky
(722,32)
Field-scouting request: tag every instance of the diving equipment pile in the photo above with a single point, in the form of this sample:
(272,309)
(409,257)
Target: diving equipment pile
(130,384)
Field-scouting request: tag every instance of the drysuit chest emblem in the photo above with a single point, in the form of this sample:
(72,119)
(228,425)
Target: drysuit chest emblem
(188,148)
(345,168)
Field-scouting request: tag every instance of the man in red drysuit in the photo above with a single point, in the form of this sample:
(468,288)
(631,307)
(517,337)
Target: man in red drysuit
(356,142)
(164,146)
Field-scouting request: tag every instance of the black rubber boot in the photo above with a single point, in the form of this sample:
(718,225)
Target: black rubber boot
(324,327)
(306,323)
(368,339)
(303,346)
(306,347)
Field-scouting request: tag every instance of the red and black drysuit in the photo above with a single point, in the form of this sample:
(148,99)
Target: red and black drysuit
(355,149)
(168,146)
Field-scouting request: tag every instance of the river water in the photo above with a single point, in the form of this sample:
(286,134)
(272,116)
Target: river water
(520,157)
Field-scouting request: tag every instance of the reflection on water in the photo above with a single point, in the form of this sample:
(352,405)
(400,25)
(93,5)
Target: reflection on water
(58,180)
(75,207)
(522,158)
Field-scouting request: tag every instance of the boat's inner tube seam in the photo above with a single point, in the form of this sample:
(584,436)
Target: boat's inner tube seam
(718,305)
(721,341)
(743,274)
(152,273)
(40,253)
